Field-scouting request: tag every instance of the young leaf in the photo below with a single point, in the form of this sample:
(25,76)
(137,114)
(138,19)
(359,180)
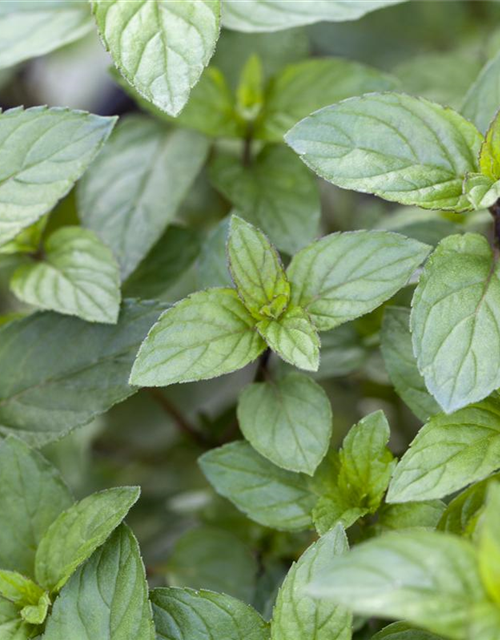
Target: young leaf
(12,626)
(267,494)
(107,597)
(44,152)
(78,532)
(403,631)
(288,421)
(482,99)
(32,495)
(135,187)
(78,276)
(404,149)
(276,193)
(207,334)
(481,191)
(184,614)
(449,453)
(296,614)
(37,613)
(256,270)
(43,395)
(346,275)
(489,545)
(293,337)
(489,157)
(401,363)
(160,47)
(18,589)
(455,322)
(462,513)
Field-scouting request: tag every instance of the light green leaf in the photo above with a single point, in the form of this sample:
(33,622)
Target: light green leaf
(404,149)
(37,613)
(134,189)
(403,631)
(43,395)
(12,626)
(431,579)
(310,85)
(346,275)
(276,193)
(335,509)
(107,597)
(78,532)
(296,614)
(256,270)
(462,513)
(30,29)
(269,495)
(489,156)
(19,589)
(288,421)
(293,337)
(274,15)
(44,152)
(401,363)
(489,544)
(160,47)
(481,191)
(455,322)
(78,276)
(207,334)
(184,614)
(483,98)
(449,453)
(410,515)
(32,495)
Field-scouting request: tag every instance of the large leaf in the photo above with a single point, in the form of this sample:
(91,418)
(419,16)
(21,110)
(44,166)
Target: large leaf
(107,597)
(273,15)
(160,47)
(483,98)
(296,614)
(32,495)
(489,543)
(184,614)
(288,421)
(346,275)
(78,276)
(43,153)
(267,494)
(455,322)
(449,453)
(401,148)
(134,189)
(203,336)
(44,395)
(276,193)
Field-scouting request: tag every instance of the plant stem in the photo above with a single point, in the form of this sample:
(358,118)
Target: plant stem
(495,212)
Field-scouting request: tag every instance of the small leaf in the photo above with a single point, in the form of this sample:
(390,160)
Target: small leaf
(481,191)
(44,152)
(256,270)
(37,613)
(18,589)
(78,532)
(346,275)
(12,626)
(160,47)
(184,614)
(205,335)
(107,597)
(489,544)
(288,421)
(403,631)
(269,495)
(489,156)
(463,512)
(404,149)
(482,100)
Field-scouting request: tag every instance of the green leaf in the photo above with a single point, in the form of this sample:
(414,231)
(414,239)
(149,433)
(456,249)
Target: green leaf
(18,589)
(275,192)
(462,513)
(134,189)
(267,494)
(43,395)
(32,495)
(12,626)
(31,29)
(343,351)
(293,337)
(455,322)
(107,597)
(401,363)
(212,269)
(346,275)
(78,532)
(288,421)
(431,579)
(404,149)
(273,15)
(256,270)
(449,453)
(37,613)
(44,152)
(489,544)
(481,191)
(310,85)
(410,515)
(184,614)
(403,631)
(296,614)
(78,276)
(481,102)
(160,47)
(207,334)
(489,156)
(250,89)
